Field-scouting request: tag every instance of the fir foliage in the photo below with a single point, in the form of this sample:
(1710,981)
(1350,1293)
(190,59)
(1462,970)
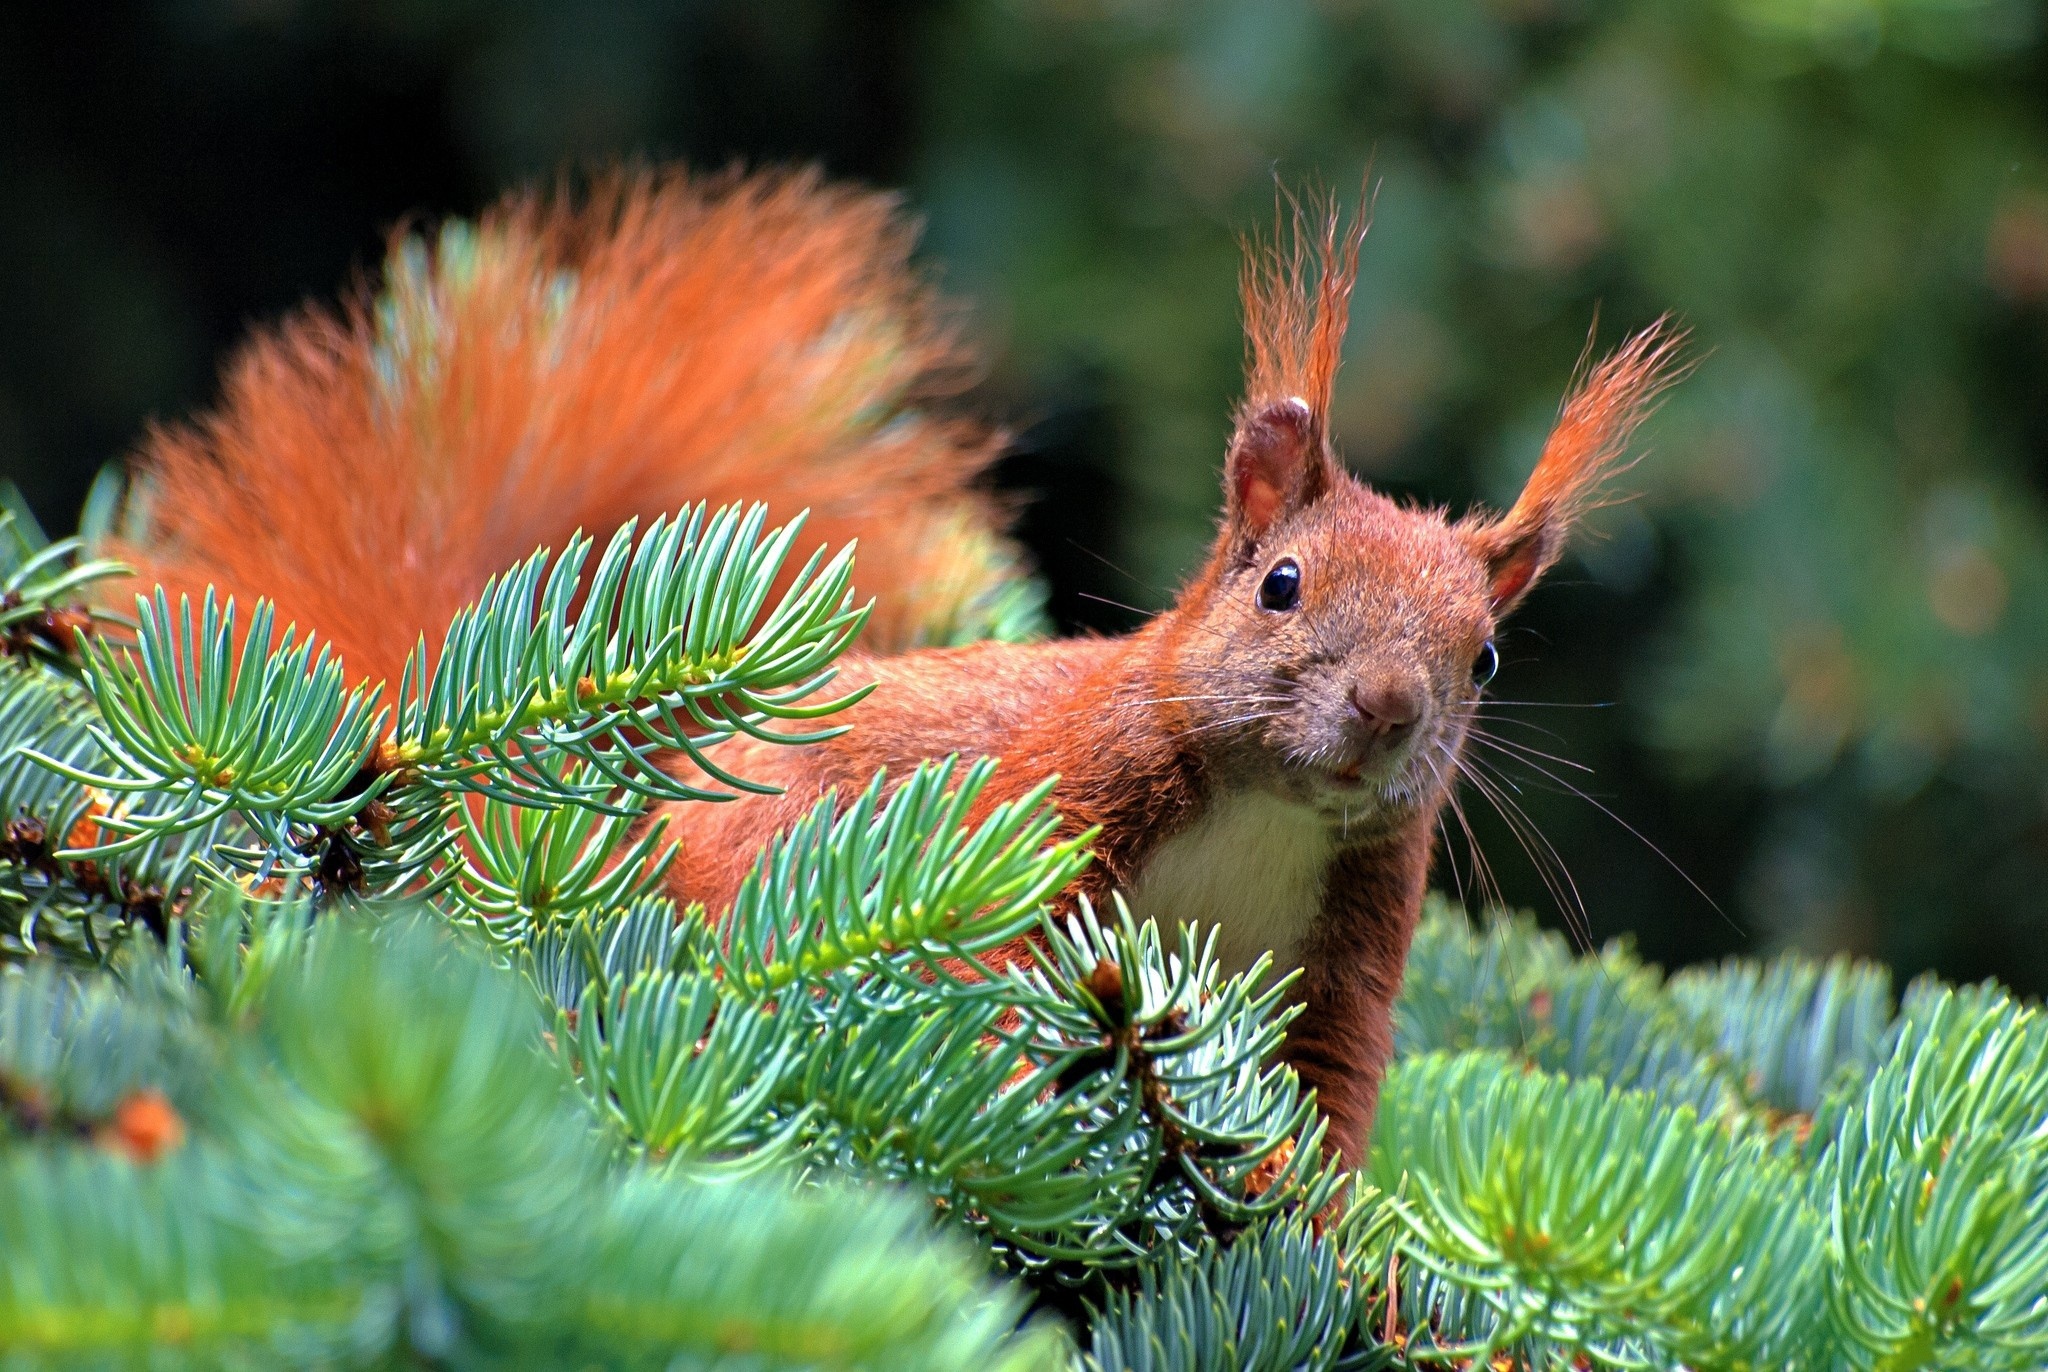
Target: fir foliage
(382,1169)
(340,1035)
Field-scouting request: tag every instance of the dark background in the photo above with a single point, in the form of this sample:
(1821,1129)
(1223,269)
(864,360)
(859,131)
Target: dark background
(1815,648)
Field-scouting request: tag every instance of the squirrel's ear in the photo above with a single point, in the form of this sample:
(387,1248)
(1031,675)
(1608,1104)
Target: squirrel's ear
(1277,464)
(1584,448)
(1515,557)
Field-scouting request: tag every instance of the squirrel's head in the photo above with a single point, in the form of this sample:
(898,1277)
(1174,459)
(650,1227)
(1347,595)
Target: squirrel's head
(1336,641)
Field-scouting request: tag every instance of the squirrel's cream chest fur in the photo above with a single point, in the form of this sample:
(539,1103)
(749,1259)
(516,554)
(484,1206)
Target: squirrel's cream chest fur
(1252,868)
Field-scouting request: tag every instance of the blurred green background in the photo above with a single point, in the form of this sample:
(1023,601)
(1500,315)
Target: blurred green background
(1815,646)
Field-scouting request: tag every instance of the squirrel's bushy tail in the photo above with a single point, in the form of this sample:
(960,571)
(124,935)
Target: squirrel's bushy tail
(573,363)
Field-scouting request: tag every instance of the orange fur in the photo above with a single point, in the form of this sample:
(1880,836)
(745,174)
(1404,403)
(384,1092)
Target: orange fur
(1584,449)
(573,363)
(1296,292)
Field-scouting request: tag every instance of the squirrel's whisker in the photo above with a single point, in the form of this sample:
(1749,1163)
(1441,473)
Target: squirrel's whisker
(1513,749)
(1638,834)
(1478,715)
(1491,897)
(1542,854)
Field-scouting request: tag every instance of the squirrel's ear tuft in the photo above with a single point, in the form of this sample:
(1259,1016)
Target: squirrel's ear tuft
(1585,447)
(1277,464)
(1297,295)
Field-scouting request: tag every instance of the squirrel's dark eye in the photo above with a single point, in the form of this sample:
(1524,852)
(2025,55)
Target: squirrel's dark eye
(1281,590)
(1486,664)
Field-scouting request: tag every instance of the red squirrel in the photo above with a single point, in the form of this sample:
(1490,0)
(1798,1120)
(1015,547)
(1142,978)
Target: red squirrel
(1267,757)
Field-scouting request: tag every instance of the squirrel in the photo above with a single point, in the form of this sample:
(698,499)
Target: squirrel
(1267,756)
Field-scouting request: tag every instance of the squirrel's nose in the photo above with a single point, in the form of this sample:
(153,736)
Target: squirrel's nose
(1386,709)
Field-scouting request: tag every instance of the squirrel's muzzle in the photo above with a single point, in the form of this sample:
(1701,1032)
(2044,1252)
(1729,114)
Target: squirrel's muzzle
(1385,712)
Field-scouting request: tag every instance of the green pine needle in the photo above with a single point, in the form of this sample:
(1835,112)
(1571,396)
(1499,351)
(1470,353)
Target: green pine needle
(898,887)
(1593,1219)
(670,643)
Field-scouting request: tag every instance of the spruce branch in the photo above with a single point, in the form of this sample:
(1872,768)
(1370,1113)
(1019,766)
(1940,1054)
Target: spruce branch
(62,891)
(209,722)
(75,1050)
(418,1149)
(236,946)
(686,1075)
(1070,1126)
(897,885)
(599,949)
(510,1209)
(1275,1301)
(751,1274)
(44,605)
(114,1264)
(670,643)
(1936,1192)
(521,867)
(1199,1051)
(1794,1028)
(1506,984)
(1006,1140)
(1573,1217)
(555,690)
(1100,1128)
(385,1169)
